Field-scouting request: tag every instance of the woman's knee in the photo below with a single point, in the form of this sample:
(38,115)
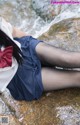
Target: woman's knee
(76,79)
(40,50)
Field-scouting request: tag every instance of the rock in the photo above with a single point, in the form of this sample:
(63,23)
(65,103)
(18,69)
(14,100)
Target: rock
(6,116)
(60,107)
(48,11)
(56,107)
(43,8)
(64,34)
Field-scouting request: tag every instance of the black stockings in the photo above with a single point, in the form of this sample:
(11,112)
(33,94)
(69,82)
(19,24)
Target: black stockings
(53,78)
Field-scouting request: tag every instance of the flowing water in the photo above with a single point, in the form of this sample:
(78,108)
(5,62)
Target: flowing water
(21,13)
(29,18)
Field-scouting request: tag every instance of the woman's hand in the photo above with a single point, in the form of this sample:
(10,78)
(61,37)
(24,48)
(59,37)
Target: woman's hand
(15,32)
(18,33)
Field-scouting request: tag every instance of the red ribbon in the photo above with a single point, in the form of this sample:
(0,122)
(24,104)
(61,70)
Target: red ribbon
(6,57)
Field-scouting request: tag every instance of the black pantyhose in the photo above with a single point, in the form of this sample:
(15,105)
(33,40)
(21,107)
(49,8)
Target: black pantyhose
(53,78)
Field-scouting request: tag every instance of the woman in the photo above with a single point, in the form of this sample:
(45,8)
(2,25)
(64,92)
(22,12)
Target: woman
(34,65)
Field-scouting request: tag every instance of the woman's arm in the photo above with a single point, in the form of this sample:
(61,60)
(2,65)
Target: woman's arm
(18,33)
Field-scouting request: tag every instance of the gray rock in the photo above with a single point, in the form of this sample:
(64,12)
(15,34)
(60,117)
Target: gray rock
(43,8)
(60,107)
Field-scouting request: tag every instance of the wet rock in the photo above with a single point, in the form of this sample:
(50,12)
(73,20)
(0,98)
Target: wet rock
(6,115)
(47,10)
(21,14)
(64,34)
(44,9)
(60,107)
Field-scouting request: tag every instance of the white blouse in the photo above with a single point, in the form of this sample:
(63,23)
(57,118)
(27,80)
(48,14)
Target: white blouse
(7,73)
(7,28)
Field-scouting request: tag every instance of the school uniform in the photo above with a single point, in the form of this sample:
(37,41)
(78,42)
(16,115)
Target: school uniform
(26,82)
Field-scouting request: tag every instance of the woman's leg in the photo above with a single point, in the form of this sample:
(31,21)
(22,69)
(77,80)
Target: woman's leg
(57,57)
(54,79)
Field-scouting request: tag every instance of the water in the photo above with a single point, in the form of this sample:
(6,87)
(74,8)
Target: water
(21,14)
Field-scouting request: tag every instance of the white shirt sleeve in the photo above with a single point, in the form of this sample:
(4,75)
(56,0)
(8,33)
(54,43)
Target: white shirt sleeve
(7,28)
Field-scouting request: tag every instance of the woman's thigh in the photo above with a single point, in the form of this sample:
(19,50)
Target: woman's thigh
(57,57)
(54,79)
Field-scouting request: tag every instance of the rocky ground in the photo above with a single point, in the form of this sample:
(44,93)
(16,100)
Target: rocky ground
(60,107)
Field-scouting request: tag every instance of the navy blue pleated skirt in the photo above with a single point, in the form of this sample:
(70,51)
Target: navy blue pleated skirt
(27,82)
